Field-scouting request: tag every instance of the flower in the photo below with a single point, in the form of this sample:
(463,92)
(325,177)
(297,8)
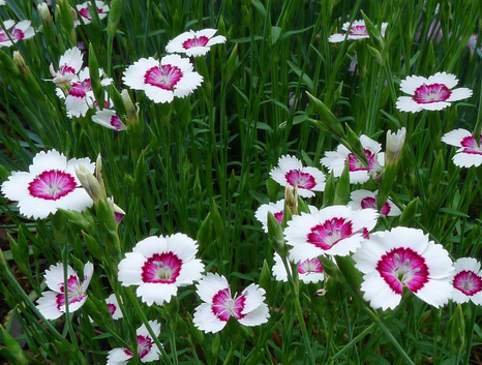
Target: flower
(52,302)
(2,2)
(70,64)
(113,306)
(434,93)
(119,213)
(469,153)
(159,265)
(394,145)
(85,11)
(359,173)
(357,31)
(335,230)
(163,80)
(15,32)
(467,281)
(309,271)
(362,199)
(195,44)
(108,118)
(403,258)
(50,184)
(147,350)
(219,305)
(290,172)
(277,209)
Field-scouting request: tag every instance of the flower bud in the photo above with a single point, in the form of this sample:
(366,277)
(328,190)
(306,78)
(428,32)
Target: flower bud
(118,211)
(20,62)
(132,110)
(44,12)
(291,199)
(394,145)
(91,185)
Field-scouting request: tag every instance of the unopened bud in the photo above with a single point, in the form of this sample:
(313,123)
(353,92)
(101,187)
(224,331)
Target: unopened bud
(394,146)
(132,110)
(20,62)
(44,12)
(91,185)
(291,199)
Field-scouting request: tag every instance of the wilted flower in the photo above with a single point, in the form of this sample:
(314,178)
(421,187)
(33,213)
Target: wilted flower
(403,258)
(172,76)
(357,31)
(359,172)
(85,11)
(159,265)
(290,172)
(108,118)
(309,270)
(195,44)
(52,303)
(219,305)
(469,152)
(467,281)
(49,184)
(147,350)
(363,199)
(15,32)
(335,230)
(434,93)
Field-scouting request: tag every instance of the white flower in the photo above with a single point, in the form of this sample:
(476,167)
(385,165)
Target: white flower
(52,302)
(70,64)
(219,305)
(50,184)
(403,258)
(147,350)
(108,118)
(335,230)
(359,173)
(195,44)
(394,145)
(309,271)
(357,31)
(163,80)
(113,307)
(15,32)
(467,281)
(290,172)
(86,15)
(2,2)
(434,93)
(363,199)
(159,265)
(469,152)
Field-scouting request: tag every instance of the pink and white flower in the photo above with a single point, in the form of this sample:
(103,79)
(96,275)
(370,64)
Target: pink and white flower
(469,152)
(70,64)
(403,258)
(16,32)
(363,199)
(52,304)
(309,271)
(85,13)
(162,81)
(219,305)
(194,44)
(109,118)
(335,230)
(433,93)
(359,172)
(357,31)
(50,184)
(147,350)
(113,307)
(277,209)
(159,265)
(467,281)
(291,172)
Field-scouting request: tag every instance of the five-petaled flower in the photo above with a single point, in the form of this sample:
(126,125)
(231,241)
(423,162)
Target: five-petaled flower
(403,258)
(50,184)
(434,93)
(71,293)
(467,281)
(159,265)
(469,152)
(16,32)
(85,12)
(362,199)
(194,44)
(357,31)
(309,270)
(219,305)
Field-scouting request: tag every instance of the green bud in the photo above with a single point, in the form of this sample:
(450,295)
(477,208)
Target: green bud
(91,185)
(274,230)
(132,111)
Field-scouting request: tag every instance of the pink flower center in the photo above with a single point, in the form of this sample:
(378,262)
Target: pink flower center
(468,282)
(118,217)
(18,34)
(52,185)
(300,179)
(279,216)
(370,202)
(66,69)
(470,145)
(111,308)
(3,36)
(432,93)
(74,292)
(358,30)
(224,306)
(310,266)
(195,42)
(161,268)
(355,164)
(330,232)
(80,89)
(144,345)
(116,122)
(164,77)
(401,267)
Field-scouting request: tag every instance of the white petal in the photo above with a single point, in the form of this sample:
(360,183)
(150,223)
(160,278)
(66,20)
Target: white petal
(365,218)
(460,93)
(205,320)
(261,213)
(254,297)
(76,106)
(278,269)
(112,299)
(336,38)
(345,246)
(47,160)
(72,57)
(287,163)
(54,276)
(458,297)
(187,84)
(183,63)
(16,186)
(359,177)
(151,245)
(36,208)
(412,238)
(182,245)
(117,356)
(439,264)
(318,176)
(377,292)
(134,74)
(467,264)
(368,255)
(407,104)
(454,137)
(197,51)
(155,327)
(370,144)
(312,277)
(156,293)
(130,269)
(439,105)
(220,39)
(78,200)
(436,292)
(444,78)
(158,95)
(209,285)
(467,159)
(47,305)
(88,272)
(411,83)
(256,317)
(208,32)
(191,271)
(334,161)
